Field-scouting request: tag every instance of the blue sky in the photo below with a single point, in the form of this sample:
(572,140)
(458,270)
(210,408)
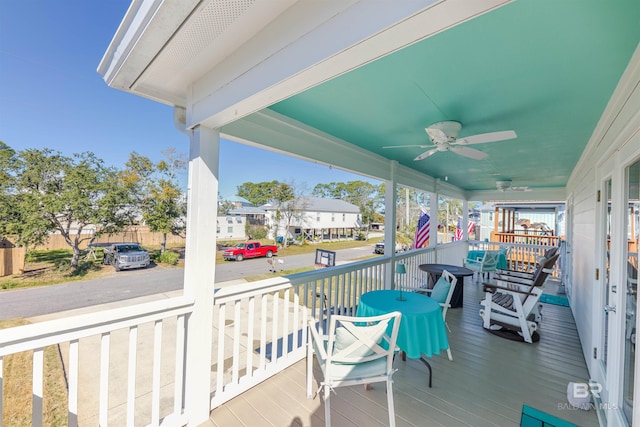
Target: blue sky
(53,97)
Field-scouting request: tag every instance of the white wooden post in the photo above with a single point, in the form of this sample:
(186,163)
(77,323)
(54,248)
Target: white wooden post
(390,198)
(465,219)
(199,271)
(433,224)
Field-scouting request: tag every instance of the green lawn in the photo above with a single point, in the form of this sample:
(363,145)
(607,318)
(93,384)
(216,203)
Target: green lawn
(43,268)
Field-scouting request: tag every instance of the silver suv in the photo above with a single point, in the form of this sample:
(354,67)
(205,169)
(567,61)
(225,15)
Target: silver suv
(126,255)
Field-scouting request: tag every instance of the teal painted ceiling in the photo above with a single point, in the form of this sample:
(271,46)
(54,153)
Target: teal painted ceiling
(545,69)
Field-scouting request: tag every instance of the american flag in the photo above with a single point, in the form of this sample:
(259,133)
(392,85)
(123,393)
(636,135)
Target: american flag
(470,229)
(422,231)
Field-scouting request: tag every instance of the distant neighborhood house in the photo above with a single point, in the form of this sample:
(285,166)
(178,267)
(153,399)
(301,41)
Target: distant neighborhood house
(318,219)
(231,225)
(549,214)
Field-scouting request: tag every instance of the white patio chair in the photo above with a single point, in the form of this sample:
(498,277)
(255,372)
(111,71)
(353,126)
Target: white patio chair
(442,292)
(357,350)
(487,264)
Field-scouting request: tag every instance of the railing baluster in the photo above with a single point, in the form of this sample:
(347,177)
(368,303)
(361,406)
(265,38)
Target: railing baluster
(285,323)
(157,356)
(38,381)
(179,367)
(221,347)
(74,350)
(250,327)
(237,305)
(275,315)
(131,375)
(1,388)
(105,344)
(263,329)
(296,316)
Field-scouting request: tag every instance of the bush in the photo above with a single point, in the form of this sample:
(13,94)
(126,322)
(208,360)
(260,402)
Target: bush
(168,257)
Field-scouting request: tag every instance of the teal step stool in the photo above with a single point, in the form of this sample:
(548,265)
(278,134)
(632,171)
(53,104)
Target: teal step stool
(533,418)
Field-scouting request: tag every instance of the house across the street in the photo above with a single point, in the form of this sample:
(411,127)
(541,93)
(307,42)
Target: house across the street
(316,219)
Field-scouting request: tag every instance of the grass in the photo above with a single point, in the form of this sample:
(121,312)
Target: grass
(17,375)
(44,268)
(311,247)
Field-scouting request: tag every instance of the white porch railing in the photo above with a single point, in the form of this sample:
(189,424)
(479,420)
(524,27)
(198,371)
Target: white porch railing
(102,353)
(264,322)
(522,257)
(128,363)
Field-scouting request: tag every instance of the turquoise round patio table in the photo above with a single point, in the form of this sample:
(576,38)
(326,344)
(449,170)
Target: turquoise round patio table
(422,330)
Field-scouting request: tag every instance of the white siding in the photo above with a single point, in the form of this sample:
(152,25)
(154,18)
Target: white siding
(618,130)
(231,227)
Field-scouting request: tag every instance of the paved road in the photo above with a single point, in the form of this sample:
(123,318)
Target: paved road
(137,283)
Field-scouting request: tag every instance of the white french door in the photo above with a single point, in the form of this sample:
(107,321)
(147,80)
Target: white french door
(615,320)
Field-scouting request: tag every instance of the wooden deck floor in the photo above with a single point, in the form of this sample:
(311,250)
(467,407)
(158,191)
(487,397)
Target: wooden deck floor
(486,384)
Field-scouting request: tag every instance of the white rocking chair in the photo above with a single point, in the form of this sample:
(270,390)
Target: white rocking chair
(513,304)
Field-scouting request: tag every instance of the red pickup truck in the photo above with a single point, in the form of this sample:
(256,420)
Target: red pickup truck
(249,250)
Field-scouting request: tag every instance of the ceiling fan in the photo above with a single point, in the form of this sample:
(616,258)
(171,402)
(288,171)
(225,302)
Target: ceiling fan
(505,185)
(444,136)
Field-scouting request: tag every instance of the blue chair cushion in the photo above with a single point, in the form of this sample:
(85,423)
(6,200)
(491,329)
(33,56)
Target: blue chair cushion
(441,290)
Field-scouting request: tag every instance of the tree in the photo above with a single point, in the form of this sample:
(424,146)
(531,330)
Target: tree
(292,211)
(409,203)
(50,192)
(161,204)
(224,206)
(286,198)
(13,220)
(261,193)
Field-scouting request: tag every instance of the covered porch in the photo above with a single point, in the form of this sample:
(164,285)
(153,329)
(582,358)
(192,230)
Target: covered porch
(486,384)
(353,85)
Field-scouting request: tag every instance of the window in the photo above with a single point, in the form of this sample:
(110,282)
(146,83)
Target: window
(238,218)
(344,217)
(218,229)
(229,220)
(229,229)
(318,216)
(333,217)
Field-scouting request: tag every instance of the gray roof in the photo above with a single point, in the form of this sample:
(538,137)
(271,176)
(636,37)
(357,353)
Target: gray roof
(247,210)
(317,204)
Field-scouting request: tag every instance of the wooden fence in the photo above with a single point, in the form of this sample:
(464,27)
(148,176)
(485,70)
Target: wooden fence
(139,234)
(11,261)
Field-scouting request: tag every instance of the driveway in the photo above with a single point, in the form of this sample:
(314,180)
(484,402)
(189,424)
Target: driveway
(130,284)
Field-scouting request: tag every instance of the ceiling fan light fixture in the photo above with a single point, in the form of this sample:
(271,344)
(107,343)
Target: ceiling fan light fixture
(503,184)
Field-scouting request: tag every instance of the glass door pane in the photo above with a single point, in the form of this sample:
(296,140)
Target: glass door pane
(605,281)
(633,199)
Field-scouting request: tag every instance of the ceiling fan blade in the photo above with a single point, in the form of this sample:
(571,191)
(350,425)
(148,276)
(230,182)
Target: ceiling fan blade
(436,134)
(407,146)
(426,154)
(472,153)
(481,138)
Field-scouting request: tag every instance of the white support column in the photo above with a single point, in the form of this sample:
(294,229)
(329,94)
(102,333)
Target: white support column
(199,271)
(465,220)
(433,225)
(390,199)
